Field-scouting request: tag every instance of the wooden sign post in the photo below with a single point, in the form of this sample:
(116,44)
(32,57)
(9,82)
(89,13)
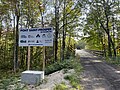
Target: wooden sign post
(36,37)
(28,65)
(44,57)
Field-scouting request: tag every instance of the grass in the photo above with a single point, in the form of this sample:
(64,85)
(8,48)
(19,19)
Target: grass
(74,81)
(61,86)
(12,82)
(114,60)
(74,78)
(66,64)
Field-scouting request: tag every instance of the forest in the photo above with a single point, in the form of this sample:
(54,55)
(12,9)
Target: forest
(89,24)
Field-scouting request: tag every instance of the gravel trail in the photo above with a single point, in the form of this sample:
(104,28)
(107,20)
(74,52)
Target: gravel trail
(97,75)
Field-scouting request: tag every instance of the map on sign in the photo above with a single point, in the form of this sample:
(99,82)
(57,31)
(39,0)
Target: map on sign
(36,37)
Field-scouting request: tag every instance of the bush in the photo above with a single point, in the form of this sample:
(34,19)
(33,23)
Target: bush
(11,83)
(61,86)
(66,64)
(74,78)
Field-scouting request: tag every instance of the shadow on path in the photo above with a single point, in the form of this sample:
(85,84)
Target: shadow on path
(97,74)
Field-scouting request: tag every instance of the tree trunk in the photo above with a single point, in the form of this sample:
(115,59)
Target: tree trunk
(113,42)
(109,46)
(113,46)
(0,29)
(60,41)
(110,42)
(16,38)
(103,46)
(16,43)
(63,37)
(56,30)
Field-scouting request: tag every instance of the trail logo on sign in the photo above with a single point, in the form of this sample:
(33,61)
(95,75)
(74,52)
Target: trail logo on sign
(37,35)
(49,35)
(23,36)
(30,36)
(43,36)
(37,41)
(23,41)
(31,41)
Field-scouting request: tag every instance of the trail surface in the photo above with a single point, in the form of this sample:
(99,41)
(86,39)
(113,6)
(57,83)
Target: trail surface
(97,74)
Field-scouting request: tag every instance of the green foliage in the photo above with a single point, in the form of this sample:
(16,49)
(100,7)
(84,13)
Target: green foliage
(6,51)
(30,16)
(61,86)
(113,60)
(80,44)
(11,83)
(93,40)
(74,78)
(74,81)
(66,64)
(101,22)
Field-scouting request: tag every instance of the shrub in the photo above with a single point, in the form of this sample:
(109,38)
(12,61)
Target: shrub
(61,86)
(66,64)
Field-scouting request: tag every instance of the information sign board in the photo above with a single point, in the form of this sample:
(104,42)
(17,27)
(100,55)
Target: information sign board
(36,37)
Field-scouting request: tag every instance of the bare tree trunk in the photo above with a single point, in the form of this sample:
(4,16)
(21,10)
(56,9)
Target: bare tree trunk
(113,42)
(56,29)
(110,42)
(60,46)
(16,39)
(0,27)
(63,37)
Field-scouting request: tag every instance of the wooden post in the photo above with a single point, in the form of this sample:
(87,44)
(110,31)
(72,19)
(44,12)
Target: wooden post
(44,57)
(28,64)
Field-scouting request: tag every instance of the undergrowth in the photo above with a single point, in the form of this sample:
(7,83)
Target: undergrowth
(73,78)
(113,60)
(66,64)
(61,86)
(12,82)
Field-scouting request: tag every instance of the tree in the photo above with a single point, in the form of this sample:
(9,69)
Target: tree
(63,17)
(102,11)
(56,28)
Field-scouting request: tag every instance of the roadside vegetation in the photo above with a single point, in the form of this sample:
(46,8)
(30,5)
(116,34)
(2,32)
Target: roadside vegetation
(102,29)
(13,82)
(74,78)
(113,61)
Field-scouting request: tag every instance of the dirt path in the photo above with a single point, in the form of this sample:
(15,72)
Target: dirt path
(97,74)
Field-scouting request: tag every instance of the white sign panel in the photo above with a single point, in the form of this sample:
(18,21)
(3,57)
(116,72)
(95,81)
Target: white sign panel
(36,37)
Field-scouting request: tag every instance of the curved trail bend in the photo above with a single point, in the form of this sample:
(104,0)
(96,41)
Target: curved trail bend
(97,75)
